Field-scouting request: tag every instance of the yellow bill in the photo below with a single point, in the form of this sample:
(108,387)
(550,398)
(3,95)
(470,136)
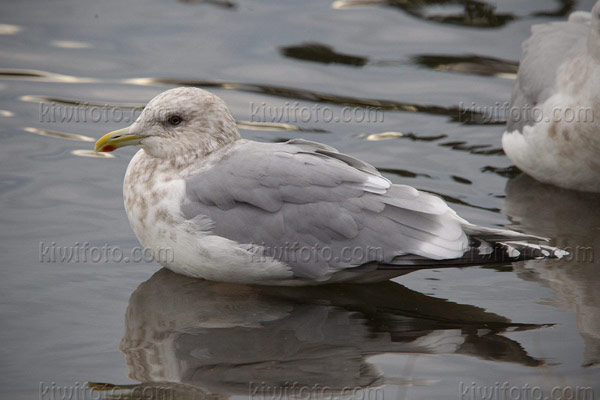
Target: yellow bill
(115,139)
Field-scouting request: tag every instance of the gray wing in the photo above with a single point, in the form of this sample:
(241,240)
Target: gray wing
(283,198)
(543,53)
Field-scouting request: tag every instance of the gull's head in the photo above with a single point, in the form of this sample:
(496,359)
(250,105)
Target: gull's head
(180,122)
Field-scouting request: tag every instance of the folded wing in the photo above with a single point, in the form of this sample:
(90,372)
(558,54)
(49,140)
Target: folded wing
(318,210)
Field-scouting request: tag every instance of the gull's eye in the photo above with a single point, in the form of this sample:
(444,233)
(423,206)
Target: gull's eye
(174,120)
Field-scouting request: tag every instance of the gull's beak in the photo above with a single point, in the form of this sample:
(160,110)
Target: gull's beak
(115,139)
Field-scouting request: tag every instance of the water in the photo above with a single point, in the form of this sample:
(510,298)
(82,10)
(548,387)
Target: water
(433,334)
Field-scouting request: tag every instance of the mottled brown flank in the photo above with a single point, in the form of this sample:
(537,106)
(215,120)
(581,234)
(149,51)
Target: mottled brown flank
(143,204)
(162,214)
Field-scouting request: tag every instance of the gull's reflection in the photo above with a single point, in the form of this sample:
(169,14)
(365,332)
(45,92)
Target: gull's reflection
(572,220)
(221,338)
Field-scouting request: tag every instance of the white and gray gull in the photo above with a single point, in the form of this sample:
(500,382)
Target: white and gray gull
(553,131)
(212,205)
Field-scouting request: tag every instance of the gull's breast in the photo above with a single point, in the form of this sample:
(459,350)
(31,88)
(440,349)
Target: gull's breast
(152,193)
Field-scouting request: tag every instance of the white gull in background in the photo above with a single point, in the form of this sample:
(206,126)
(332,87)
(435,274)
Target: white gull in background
(212,205)
(553,132)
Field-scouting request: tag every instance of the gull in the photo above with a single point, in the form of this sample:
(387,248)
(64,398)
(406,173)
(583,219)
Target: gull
(209,204)
(553,130)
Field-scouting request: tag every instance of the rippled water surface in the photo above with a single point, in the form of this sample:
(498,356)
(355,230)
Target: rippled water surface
(433,68)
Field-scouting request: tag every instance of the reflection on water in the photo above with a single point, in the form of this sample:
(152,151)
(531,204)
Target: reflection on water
(403,173)
(383,135)
(474,13)
(508,172)
(91,154)
(79,103)
(36,75)
(471,64)
(275,126)
(70,44)
(482,149)
(8,29)
(572,220)
(60,135)
(455,113)
(467,64)
(218,337)
(219,3)
(321,53)
(409,135)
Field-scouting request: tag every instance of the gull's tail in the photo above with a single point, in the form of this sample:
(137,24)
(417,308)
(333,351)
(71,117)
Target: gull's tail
(486,246)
